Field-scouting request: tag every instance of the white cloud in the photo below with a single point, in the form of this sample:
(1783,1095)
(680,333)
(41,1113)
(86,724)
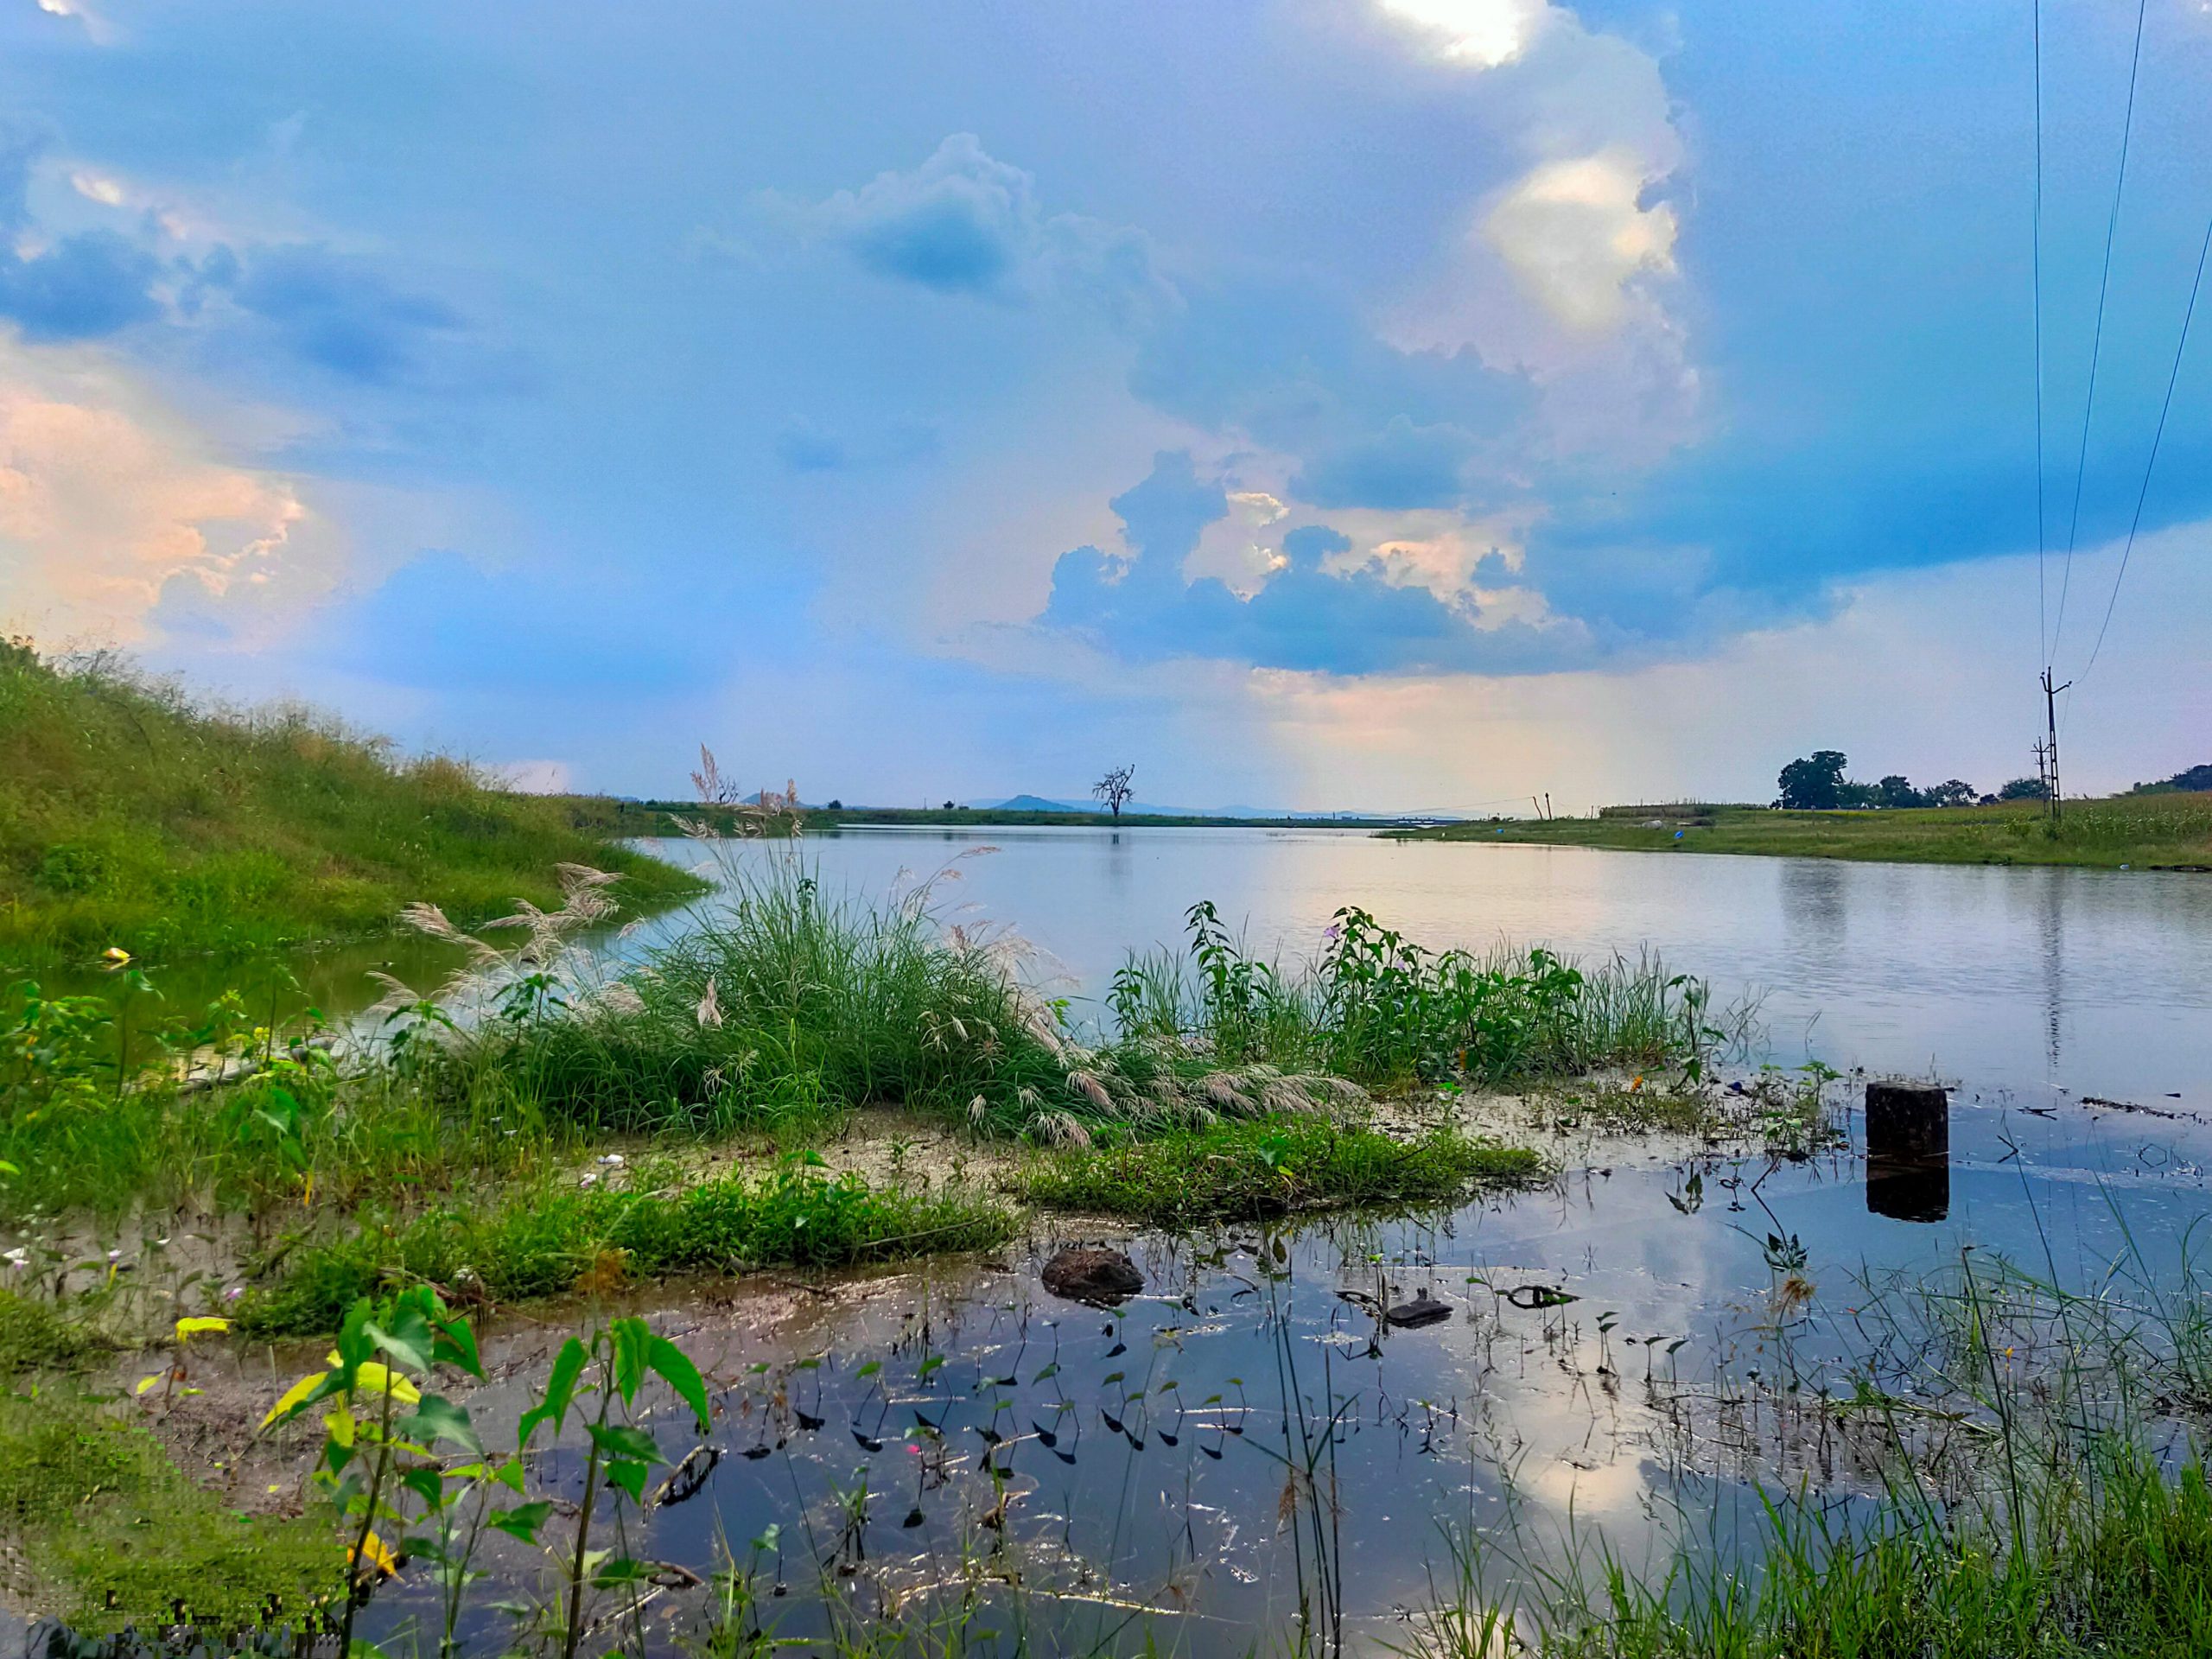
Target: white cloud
(1576,234)
(1485,33)
(112,510)
(1564,270)
(98,29)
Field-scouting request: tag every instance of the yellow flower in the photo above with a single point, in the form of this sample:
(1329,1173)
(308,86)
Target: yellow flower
(116,957)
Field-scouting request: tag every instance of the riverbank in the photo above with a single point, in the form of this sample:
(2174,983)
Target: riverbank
(137,819)
(2143,832)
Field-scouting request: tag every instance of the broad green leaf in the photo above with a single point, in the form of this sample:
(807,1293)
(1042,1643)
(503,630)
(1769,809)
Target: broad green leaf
(455,1344)
(426,1484)
(630,1477)
(560,1391)
(630,1337)
(621,1441)
(524,1520)
(397,1346)
(146,1382)
(621,1570)
(440,1419)
(675,1367)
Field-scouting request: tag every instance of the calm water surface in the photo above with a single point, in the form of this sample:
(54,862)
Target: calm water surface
(913,1435)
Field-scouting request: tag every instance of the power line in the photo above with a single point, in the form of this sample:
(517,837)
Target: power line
(2143,491)
(2097,338)
(2043,626)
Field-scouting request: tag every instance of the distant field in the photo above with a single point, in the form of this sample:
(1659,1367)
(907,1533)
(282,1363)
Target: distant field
(130,816)
(661,818)
(2165,831)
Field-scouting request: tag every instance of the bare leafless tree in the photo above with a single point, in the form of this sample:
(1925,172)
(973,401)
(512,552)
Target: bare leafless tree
(1114,788)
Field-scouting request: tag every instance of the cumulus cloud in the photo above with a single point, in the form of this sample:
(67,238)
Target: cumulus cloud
(965,222)
(1577,232)
(1317,600)
(110,510)
(1565,269)
(1485,33)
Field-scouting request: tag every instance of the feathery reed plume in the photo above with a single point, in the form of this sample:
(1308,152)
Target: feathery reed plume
(709,1011)
(427,918)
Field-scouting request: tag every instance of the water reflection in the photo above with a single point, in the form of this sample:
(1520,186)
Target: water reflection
(1253,1436)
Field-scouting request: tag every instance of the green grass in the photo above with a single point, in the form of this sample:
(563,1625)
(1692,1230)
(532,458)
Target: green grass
(36,1336)
(123,1537)
(134,817)
(1248,1169)
(551,1238)
(2145,831)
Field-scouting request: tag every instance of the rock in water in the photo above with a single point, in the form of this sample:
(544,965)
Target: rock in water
(1424,1309)
(1087,1274)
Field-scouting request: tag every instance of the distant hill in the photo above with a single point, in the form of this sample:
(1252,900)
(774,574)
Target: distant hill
(1037,803)
(133,817)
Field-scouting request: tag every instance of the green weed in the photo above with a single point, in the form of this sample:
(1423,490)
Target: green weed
(1247,1169)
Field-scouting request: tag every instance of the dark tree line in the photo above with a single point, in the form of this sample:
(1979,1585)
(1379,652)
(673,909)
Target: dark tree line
(1815,783)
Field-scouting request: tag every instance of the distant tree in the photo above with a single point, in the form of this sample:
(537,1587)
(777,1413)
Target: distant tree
(1893,790)
(1114,788)
(1814,783)
(836,805)
(951,807)
(1952,792)
(2025,789)
(2195,778)
(1858,797)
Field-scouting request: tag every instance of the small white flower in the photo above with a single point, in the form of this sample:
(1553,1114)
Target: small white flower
(613,1160)
(114,1257)
(589,1178)
(234,1292)
(17,1258)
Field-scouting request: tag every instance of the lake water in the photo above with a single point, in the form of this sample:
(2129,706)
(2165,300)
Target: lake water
(919,1440)
(2031,981)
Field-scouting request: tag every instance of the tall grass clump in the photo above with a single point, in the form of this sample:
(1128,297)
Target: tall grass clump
(1385,1012)
(135,816)
(786,1004)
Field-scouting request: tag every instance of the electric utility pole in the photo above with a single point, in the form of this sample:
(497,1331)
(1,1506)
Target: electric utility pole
(2050,743)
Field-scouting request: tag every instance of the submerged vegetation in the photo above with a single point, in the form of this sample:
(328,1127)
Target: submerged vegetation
(2160,830)
(137,818)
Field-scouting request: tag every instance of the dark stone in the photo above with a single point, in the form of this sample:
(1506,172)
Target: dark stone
(1089,1274)
(1908,1121)
(1424,1309)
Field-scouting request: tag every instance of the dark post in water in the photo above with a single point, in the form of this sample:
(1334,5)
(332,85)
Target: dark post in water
(1909,1151)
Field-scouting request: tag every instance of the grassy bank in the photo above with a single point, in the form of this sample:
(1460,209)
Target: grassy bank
(135,817)
(466,1143)
(2149,831)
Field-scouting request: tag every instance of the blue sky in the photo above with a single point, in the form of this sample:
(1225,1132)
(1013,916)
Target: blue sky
(1408,403)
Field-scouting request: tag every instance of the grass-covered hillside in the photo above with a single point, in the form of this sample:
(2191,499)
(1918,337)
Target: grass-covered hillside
(131,817)
(2166,830)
